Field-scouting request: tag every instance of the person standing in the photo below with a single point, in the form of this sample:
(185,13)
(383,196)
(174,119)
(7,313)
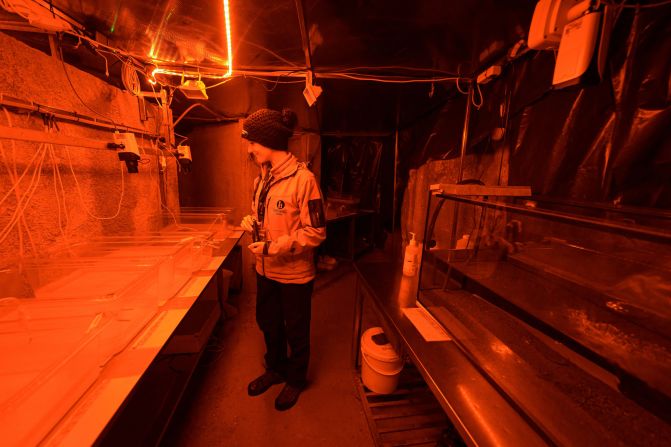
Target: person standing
(288,213)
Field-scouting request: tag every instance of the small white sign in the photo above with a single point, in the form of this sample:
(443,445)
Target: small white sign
(430,329)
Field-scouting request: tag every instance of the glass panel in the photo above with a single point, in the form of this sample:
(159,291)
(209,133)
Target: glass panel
(546,301)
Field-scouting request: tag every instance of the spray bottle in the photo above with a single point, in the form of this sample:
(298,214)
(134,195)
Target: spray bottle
(411,258)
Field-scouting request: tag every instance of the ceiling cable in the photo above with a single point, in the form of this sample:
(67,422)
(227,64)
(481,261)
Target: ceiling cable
(390,67)
(463,92)
(478,104)
(638,5)
(74,90)
(193,106)
(129,78)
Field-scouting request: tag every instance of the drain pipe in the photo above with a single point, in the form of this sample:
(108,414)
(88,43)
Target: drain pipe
(460,177)
(464,135)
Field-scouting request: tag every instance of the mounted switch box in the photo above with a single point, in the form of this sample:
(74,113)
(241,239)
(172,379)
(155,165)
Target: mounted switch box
(573,28)
(547,24)
(184,157)
(127,149)
(577,49)
(489,74)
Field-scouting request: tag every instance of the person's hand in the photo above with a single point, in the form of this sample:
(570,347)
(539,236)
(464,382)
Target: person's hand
(259,248)
(247,223)
(256,247)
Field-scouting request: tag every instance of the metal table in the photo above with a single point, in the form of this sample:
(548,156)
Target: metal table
(179,330)
(500,381)
(475,406)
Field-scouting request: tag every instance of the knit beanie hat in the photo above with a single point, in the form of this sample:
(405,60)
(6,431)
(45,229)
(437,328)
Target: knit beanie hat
(270,128)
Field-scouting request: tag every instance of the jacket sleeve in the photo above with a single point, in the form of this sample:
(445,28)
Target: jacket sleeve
(312,231)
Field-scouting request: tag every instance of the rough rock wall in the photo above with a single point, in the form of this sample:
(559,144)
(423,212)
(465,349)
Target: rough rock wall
(484,167)
(69,193)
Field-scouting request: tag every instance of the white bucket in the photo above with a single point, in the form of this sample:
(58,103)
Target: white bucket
(381,366)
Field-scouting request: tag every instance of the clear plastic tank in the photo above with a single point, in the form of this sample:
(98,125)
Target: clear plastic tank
(216,220)
(176,257)
(60,322)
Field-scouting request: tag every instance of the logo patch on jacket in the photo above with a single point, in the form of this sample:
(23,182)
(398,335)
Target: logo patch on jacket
(280,204)
(317,217)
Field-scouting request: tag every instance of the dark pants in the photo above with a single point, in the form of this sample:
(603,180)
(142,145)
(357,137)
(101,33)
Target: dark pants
(283,315)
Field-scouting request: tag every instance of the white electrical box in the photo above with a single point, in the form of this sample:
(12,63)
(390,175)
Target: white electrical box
(127,150)
(571,26)
(194,89)
(576,49)
(184,157)
(127,140)
(489,74)
(184,152)
(548,22)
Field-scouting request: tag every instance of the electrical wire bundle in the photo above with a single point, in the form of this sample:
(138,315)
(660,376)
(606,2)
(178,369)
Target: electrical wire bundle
(33,177)
(129,78)
(624,4)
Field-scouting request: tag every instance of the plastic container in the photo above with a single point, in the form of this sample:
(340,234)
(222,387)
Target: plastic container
(65,320)
(176,257)
(381,366)
(411,258)
(462,244)
(216,220)
(160,243)
(66,295)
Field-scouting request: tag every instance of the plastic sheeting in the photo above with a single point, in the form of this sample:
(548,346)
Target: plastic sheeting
(352,167)
(177,31)
(608,142)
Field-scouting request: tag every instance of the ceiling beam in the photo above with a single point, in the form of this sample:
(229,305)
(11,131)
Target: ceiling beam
(305,38)
(61,15)
(11,25)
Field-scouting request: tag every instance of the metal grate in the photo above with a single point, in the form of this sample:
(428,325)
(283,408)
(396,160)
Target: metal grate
(411,416)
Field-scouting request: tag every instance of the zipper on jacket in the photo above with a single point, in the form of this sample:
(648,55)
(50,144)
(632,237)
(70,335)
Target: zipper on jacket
(264,223)
(267,213)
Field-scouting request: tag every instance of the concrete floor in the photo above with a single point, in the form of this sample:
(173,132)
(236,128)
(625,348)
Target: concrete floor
(216,410)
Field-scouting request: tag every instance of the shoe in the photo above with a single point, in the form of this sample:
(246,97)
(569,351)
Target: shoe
(261,384)
(287,397)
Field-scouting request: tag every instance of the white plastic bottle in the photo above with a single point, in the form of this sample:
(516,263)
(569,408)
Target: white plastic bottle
(462,243)
(411,258)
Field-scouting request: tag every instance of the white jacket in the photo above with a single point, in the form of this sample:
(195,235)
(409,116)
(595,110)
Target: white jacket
(294,222)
